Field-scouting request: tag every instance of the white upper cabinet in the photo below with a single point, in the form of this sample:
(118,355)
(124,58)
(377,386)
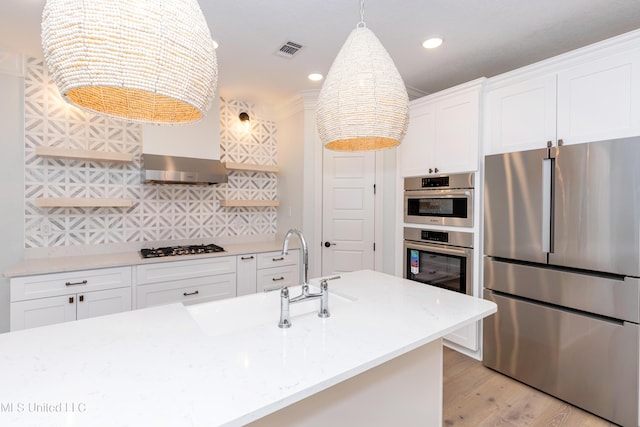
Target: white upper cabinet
(457,130)
(443,132)
(587,95)
(520,116)
(416,150)
(600,100)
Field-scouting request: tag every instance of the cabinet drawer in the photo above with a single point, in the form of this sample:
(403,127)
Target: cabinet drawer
(189,291)
(48,285)
(276,259)
(277,277)
(169,271)
(535,342)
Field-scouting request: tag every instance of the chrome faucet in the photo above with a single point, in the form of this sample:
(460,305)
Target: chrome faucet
(285,302)
(305,257)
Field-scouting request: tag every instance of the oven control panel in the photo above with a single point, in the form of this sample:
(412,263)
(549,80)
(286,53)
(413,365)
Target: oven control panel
(452,238)
(434,236)
(441,181)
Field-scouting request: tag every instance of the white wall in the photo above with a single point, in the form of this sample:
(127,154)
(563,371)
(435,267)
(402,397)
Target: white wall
(290,161)
(389,212)
(11,182)
(200,140)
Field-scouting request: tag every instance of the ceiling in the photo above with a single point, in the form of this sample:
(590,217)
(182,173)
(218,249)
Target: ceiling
(482,37)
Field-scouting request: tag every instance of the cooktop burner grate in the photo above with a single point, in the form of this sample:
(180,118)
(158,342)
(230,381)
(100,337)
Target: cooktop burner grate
(180,250)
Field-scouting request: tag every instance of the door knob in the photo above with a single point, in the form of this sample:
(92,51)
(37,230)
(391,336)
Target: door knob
(328,244)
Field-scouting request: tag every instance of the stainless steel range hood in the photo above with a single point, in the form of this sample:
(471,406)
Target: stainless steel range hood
(157,169)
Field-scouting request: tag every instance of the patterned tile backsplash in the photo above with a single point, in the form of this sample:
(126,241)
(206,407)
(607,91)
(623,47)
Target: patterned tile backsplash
(159,212)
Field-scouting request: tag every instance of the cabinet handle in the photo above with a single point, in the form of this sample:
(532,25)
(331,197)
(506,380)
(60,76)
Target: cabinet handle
(549,144)
(186,294)
(278,259)
(277,279)
(246,257)
(84,282)
(81,298)
(70,300)
(436,170)
(430,170)
(560,143)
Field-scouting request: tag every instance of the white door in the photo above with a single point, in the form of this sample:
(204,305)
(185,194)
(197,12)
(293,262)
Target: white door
(348,211)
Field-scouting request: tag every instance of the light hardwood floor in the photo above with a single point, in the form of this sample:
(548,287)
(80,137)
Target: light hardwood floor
(475,396)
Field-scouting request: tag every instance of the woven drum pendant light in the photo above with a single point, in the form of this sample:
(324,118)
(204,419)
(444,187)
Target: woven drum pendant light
(363,103)
(145,60)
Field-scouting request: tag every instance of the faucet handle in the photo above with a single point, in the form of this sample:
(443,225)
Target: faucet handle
(284,292)
(324,296)
(324,279)
(324,286)
(284,309)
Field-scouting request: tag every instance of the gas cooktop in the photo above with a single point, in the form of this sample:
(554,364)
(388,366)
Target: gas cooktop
(180,250)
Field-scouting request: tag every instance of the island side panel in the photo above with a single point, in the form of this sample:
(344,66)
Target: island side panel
(404,391)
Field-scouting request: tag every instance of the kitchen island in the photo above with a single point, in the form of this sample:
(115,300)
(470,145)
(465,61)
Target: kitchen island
(226,363)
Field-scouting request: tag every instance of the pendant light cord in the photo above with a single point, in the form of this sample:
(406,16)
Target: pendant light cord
(361,24)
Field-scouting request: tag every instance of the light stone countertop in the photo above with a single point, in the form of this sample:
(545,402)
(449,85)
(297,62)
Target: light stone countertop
(221,363)
(45,265)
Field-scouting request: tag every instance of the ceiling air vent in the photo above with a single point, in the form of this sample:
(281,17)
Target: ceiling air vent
(288,49)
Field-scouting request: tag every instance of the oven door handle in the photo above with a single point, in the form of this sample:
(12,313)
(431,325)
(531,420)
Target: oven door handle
(437,193)
(447,250)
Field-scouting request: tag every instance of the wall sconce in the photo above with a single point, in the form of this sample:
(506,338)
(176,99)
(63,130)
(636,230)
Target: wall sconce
(245,121)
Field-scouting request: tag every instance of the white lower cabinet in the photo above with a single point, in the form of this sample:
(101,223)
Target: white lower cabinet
(270,279)
(60,297)
(41,312)
(276,270)
(187,291)
(101,303)
(188,281)
(246,274)
(46,299)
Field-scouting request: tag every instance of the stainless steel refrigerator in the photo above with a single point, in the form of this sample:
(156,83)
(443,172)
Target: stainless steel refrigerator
(562,262)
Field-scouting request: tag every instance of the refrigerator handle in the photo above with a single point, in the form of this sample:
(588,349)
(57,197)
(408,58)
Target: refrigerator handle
(547,170)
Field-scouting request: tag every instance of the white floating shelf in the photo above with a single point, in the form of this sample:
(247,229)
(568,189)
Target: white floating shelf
(248,203)
(251,167)
(81,202)
(77,154)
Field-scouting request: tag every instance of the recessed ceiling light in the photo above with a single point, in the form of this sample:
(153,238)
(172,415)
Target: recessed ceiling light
(432,42)
(315,77)
(215,44)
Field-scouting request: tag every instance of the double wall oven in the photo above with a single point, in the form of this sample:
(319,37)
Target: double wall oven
(439,257)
